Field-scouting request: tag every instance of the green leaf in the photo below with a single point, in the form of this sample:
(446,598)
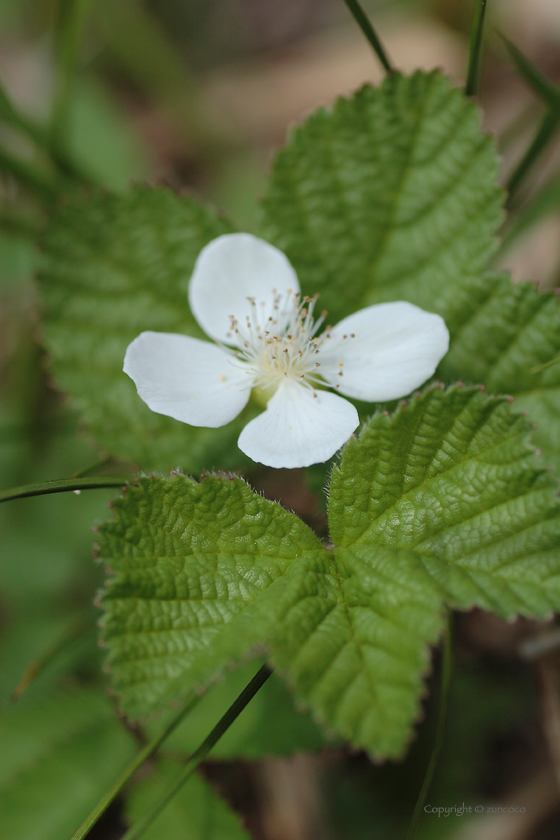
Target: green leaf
(57,759)
(504,335)
(196,811)
(390,195)
(351,633)
(453,477)
(205,572)
(114,267)
(440,504)
(189,559)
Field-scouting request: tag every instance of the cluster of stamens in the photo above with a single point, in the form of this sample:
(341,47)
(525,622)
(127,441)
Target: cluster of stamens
(282,344)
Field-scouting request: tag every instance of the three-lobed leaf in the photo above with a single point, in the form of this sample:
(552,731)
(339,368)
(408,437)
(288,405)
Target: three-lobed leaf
(442,503)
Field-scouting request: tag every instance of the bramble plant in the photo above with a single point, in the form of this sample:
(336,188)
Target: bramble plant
(387,207)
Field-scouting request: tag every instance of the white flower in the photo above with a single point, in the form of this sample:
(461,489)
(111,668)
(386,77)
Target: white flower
(245,295)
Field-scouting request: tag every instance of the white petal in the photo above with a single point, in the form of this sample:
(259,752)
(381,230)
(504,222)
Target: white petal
(298,429)
(395,347)
(231,269)
(190,380)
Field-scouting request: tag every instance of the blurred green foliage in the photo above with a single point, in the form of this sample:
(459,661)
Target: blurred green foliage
(138,71)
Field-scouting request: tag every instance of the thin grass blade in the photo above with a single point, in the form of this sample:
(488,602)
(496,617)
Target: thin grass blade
(543,88)
(64,485)
(544,136)
(475,49)
(137,830)
(366,26)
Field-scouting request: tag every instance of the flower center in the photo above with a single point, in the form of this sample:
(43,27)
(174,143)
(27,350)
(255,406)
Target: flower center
(273,347)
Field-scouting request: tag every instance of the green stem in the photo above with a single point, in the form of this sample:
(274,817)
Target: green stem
(475,49)
(132,768)
(446,673)
(365,25)
(136,831)
(64,485)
